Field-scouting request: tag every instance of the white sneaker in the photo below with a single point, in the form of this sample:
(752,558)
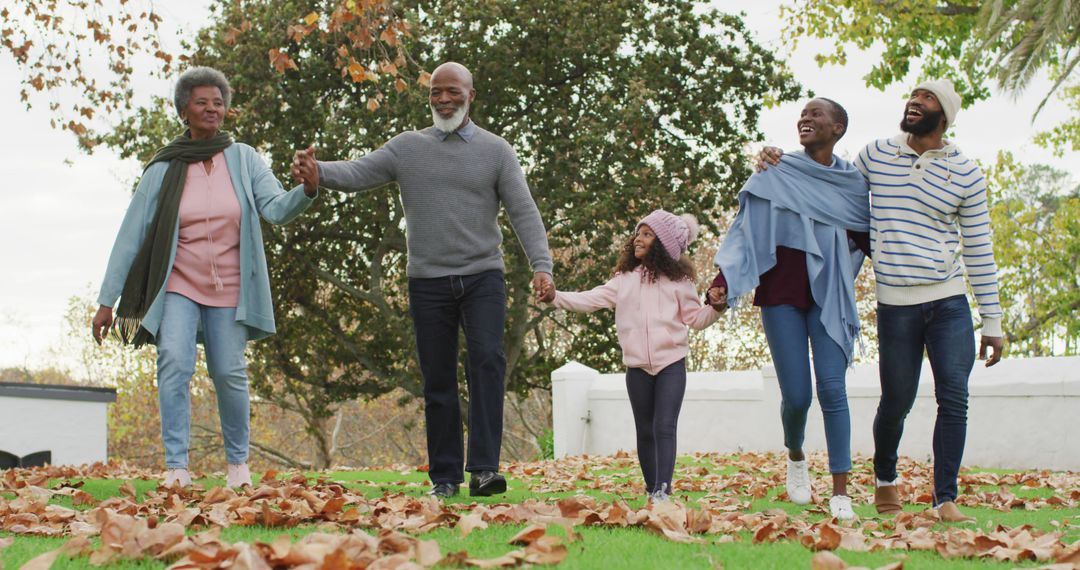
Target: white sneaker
(237,476)
(661,495)
(798,482)
(177,477)
(840,507)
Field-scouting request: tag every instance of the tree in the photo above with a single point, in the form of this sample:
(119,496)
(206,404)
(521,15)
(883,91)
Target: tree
(615,108)
(81,56)
(971,42)
(1036,218)
(1028,35)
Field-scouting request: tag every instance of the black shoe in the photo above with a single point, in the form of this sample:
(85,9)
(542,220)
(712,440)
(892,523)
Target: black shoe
(486,484)
(444,490)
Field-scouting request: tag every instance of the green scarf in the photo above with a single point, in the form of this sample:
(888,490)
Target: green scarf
(150,267)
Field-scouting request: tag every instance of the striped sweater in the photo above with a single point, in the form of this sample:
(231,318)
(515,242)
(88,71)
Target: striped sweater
(926,214)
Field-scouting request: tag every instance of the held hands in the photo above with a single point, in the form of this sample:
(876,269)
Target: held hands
(543,287)
(718,298)
(305,170)
(994,342)
(769,156)
(102,321)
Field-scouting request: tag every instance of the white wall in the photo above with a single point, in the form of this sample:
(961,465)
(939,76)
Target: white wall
(1021,413)
(76,432)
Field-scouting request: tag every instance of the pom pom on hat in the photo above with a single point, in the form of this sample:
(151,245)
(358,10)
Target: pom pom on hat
(692,225)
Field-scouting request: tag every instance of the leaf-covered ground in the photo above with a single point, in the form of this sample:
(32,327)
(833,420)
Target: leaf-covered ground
(581,512)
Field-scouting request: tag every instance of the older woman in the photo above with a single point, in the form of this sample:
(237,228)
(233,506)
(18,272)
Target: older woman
(188,266)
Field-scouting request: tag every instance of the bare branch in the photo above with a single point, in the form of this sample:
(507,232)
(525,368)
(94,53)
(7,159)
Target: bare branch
(948,9)
(264,450)
(378,300)
(1037,321)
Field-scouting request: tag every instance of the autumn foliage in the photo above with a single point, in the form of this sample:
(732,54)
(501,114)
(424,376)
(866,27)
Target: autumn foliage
(81,55)
(358,530)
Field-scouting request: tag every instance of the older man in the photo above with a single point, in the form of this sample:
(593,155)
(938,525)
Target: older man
(452,177)
(929,224)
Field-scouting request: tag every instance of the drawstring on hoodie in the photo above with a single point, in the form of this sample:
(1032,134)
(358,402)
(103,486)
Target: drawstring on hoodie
(215,278)
(948,164)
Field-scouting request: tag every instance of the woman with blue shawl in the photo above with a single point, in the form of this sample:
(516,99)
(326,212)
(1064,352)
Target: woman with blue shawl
(792,241)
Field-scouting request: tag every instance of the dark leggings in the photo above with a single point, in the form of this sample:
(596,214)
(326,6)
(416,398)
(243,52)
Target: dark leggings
(656,401)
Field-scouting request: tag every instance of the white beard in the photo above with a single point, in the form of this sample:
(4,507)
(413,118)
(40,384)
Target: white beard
(450,125)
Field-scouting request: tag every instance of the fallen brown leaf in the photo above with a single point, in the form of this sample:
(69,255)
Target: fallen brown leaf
(512,558)
(826,560)
(528,535)
(829,538)
(42,561)
(470,522)
(80,497)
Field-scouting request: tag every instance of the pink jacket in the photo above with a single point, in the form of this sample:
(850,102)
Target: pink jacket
(651,317)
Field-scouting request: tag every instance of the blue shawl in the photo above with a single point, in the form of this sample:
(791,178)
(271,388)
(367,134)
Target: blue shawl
(803,205)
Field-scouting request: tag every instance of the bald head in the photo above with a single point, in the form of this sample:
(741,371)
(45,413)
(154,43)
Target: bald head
(450,95)
(454,71)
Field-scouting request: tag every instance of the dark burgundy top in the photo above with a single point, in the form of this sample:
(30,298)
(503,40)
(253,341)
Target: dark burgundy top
(788,283)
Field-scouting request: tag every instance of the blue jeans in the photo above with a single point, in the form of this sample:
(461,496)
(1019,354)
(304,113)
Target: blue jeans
(224,340)
(945,329)
(440,307)
(787,329)
(656,401)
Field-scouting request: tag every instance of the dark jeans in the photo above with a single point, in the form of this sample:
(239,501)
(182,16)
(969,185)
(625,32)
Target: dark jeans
(439,307)
(656,401)
(944,328)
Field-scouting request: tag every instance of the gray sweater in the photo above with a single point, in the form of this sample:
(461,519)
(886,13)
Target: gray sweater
(451,190)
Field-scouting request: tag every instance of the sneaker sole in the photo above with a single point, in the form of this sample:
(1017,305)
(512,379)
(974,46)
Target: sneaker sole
(806,502)
(495,488)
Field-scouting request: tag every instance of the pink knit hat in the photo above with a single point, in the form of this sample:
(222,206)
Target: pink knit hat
(674,232)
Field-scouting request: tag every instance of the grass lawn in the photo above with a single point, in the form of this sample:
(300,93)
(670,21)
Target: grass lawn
(702,478)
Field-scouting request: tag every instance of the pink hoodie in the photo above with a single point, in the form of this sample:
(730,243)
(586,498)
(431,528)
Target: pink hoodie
(651,317)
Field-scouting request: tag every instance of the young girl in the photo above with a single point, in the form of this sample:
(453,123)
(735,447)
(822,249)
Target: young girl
(655,301)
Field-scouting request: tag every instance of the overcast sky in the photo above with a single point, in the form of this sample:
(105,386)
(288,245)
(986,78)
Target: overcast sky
(60,208)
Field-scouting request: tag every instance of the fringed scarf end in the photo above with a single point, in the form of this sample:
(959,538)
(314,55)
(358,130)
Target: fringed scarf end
(737,305)
(129,331)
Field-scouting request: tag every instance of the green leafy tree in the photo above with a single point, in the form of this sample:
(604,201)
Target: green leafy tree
(1036,219)
(615,108)
(975,43)
(1027,35)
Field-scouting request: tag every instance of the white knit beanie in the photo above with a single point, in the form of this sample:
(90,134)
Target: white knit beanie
(946,95)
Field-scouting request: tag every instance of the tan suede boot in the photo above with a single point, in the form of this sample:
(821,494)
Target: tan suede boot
(949,512)
(887,500)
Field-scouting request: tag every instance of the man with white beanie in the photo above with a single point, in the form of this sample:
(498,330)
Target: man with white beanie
(929,225)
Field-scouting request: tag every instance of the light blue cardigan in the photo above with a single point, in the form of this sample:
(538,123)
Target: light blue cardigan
(259,193)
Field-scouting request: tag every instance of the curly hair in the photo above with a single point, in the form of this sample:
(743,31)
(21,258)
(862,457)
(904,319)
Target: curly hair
(200,77)
(656,262)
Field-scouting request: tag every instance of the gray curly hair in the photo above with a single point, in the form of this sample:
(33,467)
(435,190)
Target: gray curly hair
(199,77)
